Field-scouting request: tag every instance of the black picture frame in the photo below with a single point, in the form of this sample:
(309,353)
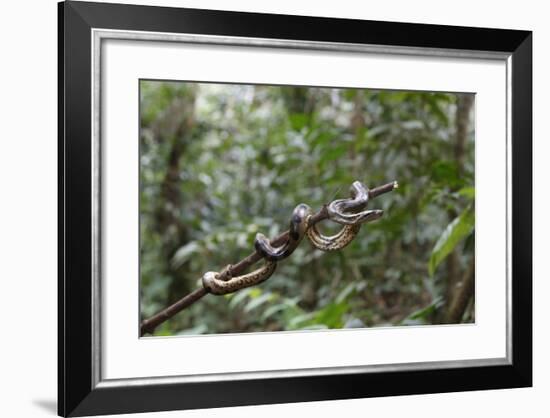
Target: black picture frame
(78,394)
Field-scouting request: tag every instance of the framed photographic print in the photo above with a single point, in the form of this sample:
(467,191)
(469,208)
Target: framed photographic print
(265,208)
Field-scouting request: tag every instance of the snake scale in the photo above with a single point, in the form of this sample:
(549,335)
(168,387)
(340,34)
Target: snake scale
(348,212)
(338,211)
(333,242)
(214,285)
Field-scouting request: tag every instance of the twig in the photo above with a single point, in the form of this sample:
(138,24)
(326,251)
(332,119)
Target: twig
(149,325)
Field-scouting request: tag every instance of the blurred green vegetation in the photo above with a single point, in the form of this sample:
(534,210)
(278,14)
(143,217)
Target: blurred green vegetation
(221,162)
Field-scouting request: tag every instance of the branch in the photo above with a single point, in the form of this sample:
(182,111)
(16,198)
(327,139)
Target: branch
(149,325)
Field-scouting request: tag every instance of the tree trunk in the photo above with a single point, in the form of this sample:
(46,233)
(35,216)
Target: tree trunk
(175,129)
(463,111)
(464,292)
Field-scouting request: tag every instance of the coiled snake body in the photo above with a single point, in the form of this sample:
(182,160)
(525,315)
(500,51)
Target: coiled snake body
(333,242)
(338,212)
(214,285)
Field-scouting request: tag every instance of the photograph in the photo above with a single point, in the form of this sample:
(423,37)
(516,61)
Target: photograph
(225,168)
(262,208)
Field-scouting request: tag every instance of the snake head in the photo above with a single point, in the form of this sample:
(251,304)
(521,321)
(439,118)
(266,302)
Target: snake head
(372,215)
(262,245)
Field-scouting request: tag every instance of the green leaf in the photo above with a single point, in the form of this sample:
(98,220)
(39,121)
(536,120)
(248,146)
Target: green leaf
(455,232)
(346,292)
(332,315)
(255,302)
(287,306)
(184,253)
(238,298)
(272,310)
(300,321)
(468,192)
(298,120)
(322,138)
(332,154)
(254,292)
(423,313)
(446,172)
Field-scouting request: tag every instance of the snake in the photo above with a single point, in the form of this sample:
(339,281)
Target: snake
(213,284)
(342,211)
(333,242)
(297,230)
(352,221)
(347,212)
(360,197)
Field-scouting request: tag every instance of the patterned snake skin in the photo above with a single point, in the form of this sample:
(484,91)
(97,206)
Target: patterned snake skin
(214,285)
(333,242)
(351,221)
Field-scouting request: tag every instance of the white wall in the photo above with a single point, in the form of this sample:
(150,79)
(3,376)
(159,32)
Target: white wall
(28,207)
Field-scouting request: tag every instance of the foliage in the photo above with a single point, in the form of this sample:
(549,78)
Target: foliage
(221,162)
(455,232)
